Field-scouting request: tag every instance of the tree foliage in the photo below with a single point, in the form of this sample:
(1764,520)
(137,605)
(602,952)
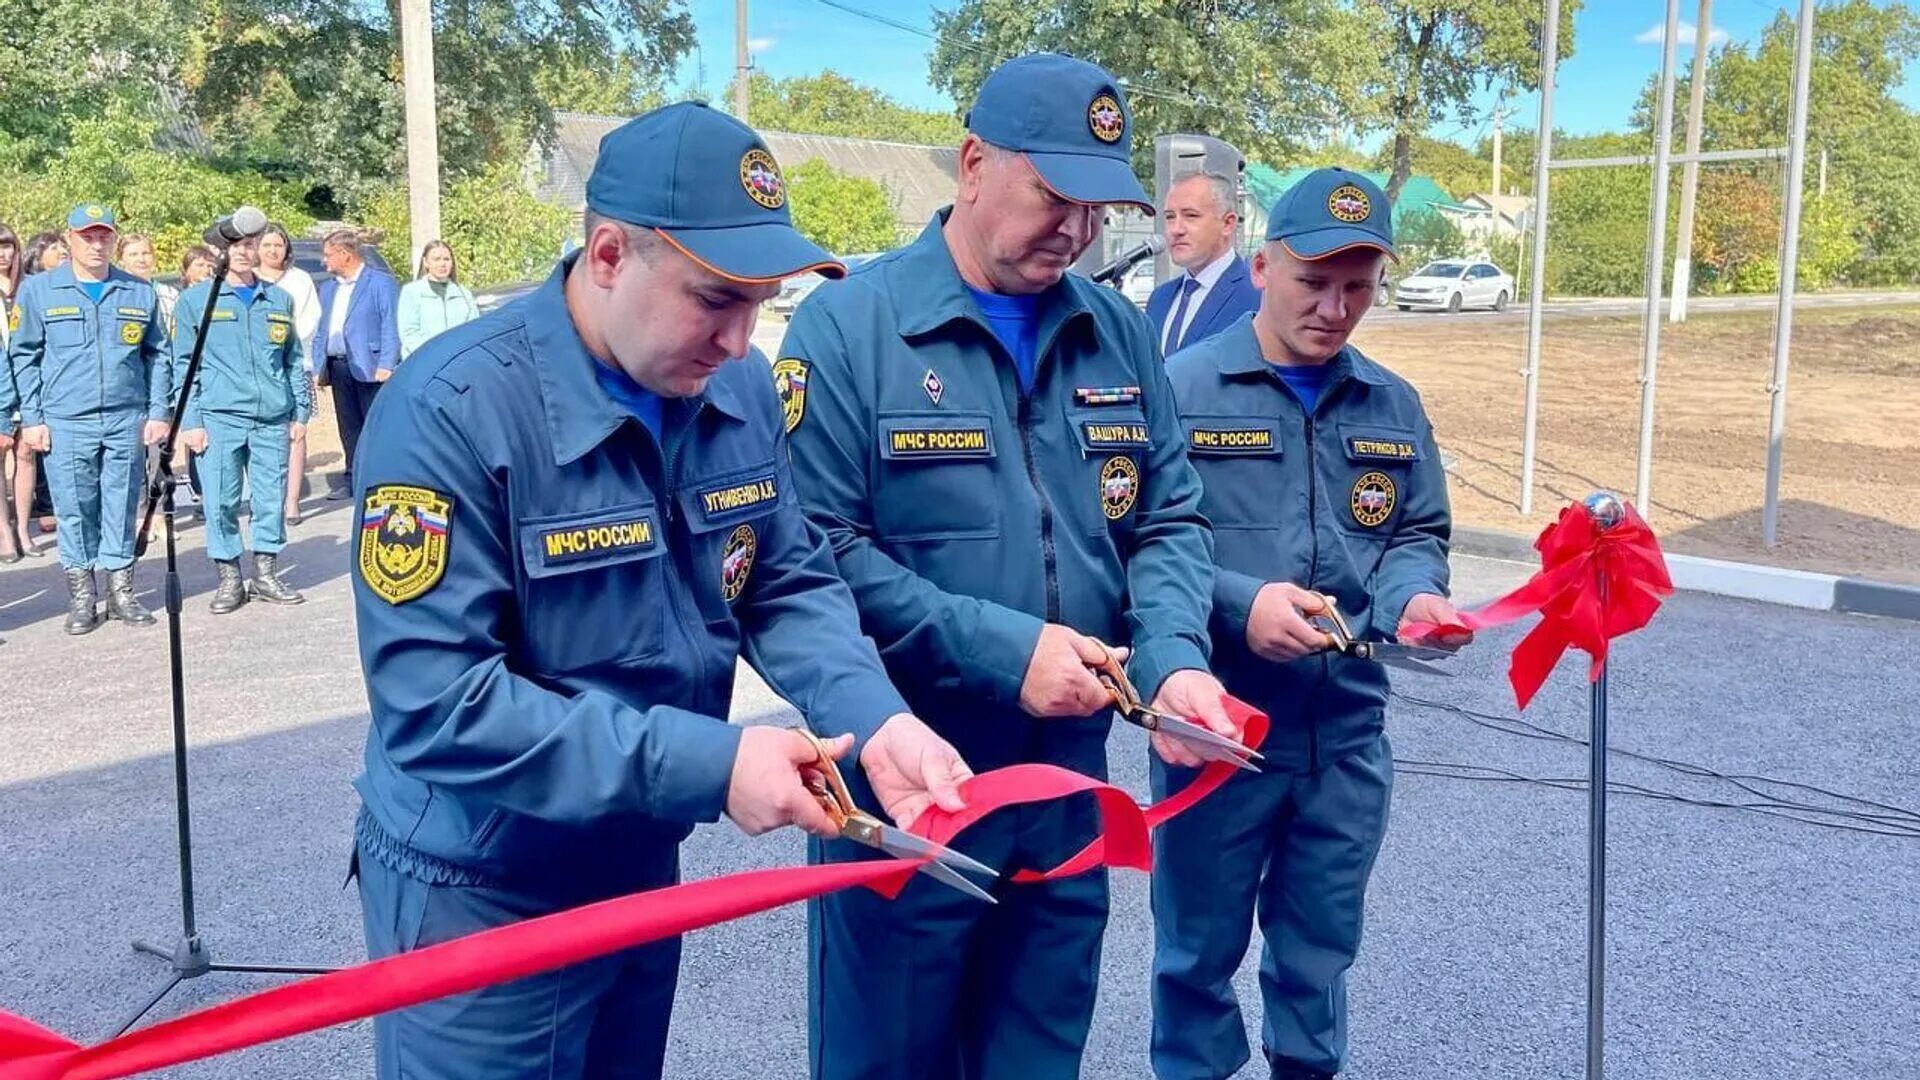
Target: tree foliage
(832,104)
(1441,51)
(847,215)
(1272,77)
(499,232)
(1426,235)
(1448,164)
(169,196)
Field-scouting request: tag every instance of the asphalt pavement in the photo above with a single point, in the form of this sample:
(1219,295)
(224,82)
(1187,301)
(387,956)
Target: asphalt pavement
(1741,945)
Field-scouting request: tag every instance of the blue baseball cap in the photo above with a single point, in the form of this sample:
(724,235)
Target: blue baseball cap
(1070,120)
(708,185)
(91,215)
(1330,211)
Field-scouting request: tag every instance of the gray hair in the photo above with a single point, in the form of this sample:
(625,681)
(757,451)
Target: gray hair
(1226,193)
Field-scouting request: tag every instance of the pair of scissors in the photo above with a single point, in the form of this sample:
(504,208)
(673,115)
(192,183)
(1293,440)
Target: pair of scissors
(1411,657)
(1201,740)
(829,788)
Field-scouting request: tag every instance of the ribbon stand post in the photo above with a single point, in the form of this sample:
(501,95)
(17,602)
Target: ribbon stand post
(1605,510)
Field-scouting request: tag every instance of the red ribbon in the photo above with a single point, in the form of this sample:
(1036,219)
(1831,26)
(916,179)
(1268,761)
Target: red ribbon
(31,1052)
(1594,585)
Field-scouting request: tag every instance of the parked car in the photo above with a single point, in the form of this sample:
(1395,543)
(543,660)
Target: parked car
(306,256)
(795,289)
(1454,285)
(1138,285)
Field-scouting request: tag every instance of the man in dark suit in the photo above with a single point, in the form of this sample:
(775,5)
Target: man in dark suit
(358,343)
(1213,288)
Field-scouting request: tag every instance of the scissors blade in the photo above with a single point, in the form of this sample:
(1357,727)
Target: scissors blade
(945,874)
(1407,657)
(905,845)
(1408,663)
(1208,743)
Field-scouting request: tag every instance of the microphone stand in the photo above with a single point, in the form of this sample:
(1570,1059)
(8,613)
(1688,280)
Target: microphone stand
(189,957)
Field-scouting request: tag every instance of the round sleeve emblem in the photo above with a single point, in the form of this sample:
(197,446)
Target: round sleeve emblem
(761,177)
(132,332)
(1119,486)
(736,562)
(1349,204)
(1106,120)
(1373,499)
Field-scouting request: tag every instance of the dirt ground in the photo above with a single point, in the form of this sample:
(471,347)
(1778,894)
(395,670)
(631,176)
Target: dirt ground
(1850,485)
(1850,489)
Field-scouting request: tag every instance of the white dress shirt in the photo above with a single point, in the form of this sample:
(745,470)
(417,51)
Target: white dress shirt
(337,315)
(1208,277)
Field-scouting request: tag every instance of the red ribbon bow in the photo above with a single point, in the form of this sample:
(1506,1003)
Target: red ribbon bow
(1594,585)
(31,1052)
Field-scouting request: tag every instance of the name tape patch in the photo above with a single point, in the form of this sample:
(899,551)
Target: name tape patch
(733,499)
(1226,440)
(565,544)
(1103,436)
(1382,448)
(940,442)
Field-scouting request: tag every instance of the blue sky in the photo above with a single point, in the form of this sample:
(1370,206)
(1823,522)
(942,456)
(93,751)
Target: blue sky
(1617,48)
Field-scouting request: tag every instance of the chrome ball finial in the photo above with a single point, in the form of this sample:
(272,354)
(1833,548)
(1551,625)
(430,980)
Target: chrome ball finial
(1605,508)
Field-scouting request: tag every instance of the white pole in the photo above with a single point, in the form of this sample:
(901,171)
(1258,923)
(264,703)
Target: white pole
(1789,271)
(742,63)
(1536,293)
(423,136)
(1656,262)
(1690,180)
(1499,116)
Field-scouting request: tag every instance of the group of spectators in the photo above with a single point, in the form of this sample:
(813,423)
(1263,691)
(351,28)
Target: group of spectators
(344,342)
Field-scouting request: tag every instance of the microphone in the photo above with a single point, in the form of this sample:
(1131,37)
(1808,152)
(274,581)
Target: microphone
(242,223)
(1117,269)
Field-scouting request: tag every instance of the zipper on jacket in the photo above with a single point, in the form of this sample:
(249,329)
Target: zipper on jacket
(689,632)
(1313,573)
(1046,508)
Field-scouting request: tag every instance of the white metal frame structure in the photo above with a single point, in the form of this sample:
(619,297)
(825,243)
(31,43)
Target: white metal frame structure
(1662,161)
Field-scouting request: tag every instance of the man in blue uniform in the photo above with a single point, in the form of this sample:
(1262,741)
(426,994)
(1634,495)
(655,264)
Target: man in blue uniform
(250,403)
(1322,478)
(575,513)
(990,445)
(91,365)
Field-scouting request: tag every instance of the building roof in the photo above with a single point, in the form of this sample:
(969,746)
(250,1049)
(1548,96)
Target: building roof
(1267,184)
(919,179)
(1513,207)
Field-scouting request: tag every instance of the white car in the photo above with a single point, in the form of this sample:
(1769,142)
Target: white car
(1454,285)
(799,287)
(1138,284)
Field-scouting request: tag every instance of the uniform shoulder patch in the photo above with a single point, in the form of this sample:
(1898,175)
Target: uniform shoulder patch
(132,332)
(1119,486)
(790,382)
(404,532)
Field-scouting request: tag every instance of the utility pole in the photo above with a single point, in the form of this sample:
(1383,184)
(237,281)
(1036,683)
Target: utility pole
(1823,172)
(1499,117)
(741,64)
(1690,181)
(423,132)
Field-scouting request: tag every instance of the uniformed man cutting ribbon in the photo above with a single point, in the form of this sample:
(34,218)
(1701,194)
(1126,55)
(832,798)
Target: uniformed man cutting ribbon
(575,513)
(1322,481)
(993,450)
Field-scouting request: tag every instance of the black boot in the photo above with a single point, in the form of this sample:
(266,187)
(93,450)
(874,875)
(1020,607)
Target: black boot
(232,591)
(1288,1069)
(267,584)
(81,617)
(121,603)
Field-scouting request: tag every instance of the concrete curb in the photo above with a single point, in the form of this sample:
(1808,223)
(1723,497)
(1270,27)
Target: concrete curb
(1747,581)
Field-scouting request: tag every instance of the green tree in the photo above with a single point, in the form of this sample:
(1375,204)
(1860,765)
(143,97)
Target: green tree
(170,196)
(832,104)
(312,88)
(500,233)
(1426,235)
(68,61)
(1861,52)
(1597,220)
(845,214)
(1441,51)
(1272,77)
(1449,164)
